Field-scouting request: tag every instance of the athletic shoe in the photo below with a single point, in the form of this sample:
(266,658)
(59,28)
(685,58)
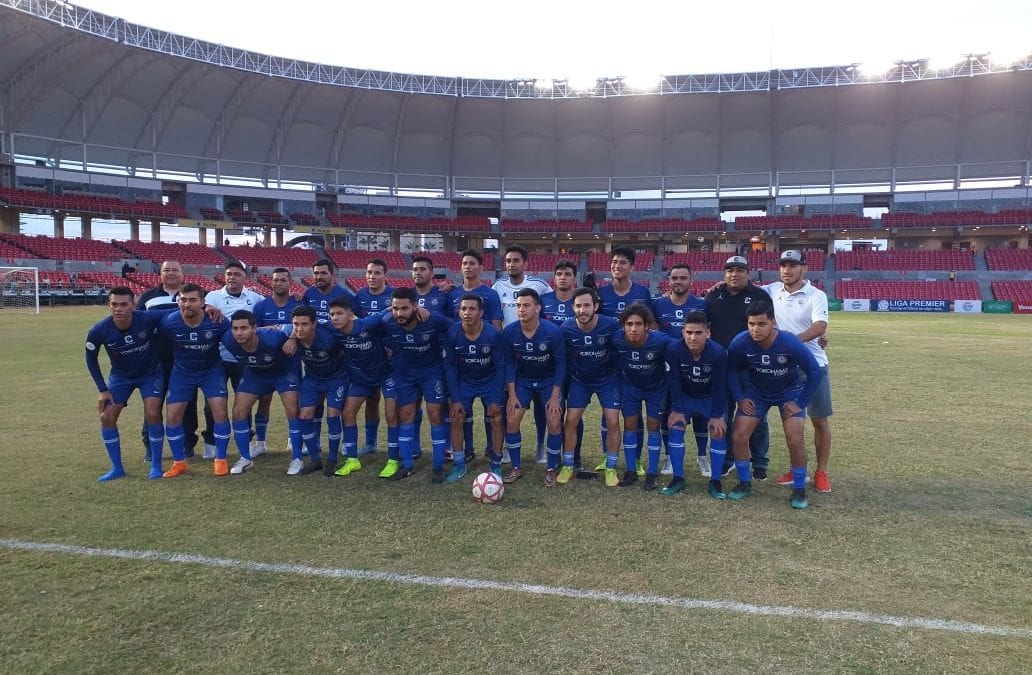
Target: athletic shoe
(566,474)
(505,457)
(550,478)
(799,500)
(715,490)
(741,491)
(209,451)
(241,466)
(628,479)
(785,479)
(641,469)
(295,467)
(668,467)
(311,467)
(111,475)
(177,469)
(673,487)
(470,455)
(601,464)
(390,468)
(541,456)
(402,473)
(650,482)
(350,466)
(258,448)
(759,473)
(367,450)
(612,480)
(514,475)
(704,467)
(329,467)
(220,467)
(437,476)
(728,468)
(456,474)
(821,482)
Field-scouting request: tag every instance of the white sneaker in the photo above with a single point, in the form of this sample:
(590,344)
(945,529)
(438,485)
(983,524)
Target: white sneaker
(505,457)
(295,467)
(542,455)
(668,468)
(209,451)
(241,466)
(258,448)
(704,467)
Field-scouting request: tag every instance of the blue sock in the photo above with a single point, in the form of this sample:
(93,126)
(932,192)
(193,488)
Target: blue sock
(718,453)
(677,451)
(175,442)
(156,441)
(460,461)
(334,433)
(744,470)
(351,440)
(392,443)
(611,461)
(310,436)
(242,434)
(294,432)
(495,459)
(439,443)
(568,459)
(406,445)
(514,443)
(372,430)
(113,446)
(630,450)
(554,443)
(417,434)
(540,424)
(261,427)
(467,435)
(655,445)
(222,431)
(798,477)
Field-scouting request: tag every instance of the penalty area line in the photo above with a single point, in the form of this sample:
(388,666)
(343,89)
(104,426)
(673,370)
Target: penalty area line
(518,587)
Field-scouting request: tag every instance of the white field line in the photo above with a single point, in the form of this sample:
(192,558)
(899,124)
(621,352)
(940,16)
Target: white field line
(517,587)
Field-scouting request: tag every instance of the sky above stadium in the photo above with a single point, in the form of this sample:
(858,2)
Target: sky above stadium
(579,39)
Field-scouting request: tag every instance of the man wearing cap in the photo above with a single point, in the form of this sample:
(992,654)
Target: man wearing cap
(726,306)
(802,309)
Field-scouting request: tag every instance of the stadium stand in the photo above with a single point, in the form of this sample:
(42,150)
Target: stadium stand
(240,216)
(599,262)
(1015,291)
(10,252)
(305,219)
(709,261)
(91,204)
(904,260)
(264,286)
(1014,259)
(908,290)
(821,221)
(59,248)
(546,262)
(957,218)
(187,254)
(357,260)
(211,214)
(619,225)
(768,260)
(272,256)
(515,226)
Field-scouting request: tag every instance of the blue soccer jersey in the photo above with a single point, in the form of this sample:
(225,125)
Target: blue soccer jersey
(416,349)
(268,356)
(323,358)
(367,302)
(642,367)
(703,378)
(195,349)
(590,355)
(364,351)
(133,352)
(670,317)
(773,373)
(492,303)
(613,304)
(320,301)
(434,300)
(540,357)
(555,310)
(473,362)
(268,313)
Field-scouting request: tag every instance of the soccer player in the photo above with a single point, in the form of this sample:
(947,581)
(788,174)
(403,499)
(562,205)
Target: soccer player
(428,295)
(418,374)
(557,307)
(474,365)
(325,288)
(697,386)
(641,363)
(591,359)
(802,309)
(195,340)
(132,349)
(615,297)
(726,306)
(272,311)
(374,298)
(766,368)
(535,356)
(266,369)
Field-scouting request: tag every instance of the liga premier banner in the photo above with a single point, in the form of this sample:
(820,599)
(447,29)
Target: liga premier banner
(910,305)
(967,306)
(1022,307)
(856,305)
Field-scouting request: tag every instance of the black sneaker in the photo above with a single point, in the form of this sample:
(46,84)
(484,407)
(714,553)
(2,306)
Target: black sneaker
(470,456)
(310,468)
(437,477)
(759,473)
(402,473)
(650,482)
(629,478)
(329,466)
(741,491)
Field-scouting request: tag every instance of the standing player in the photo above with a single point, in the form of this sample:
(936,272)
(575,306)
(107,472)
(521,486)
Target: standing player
(641,362)
(428,295)
(374,298)
(697,386)
(802,309)
(592,365)
(474,365)
(325,288)
(618,295)
(769,367)
(272,311)
(129,340)
(535,370)
(557,307)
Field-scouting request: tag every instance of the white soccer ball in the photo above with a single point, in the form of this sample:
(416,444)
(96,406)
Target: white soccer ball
(488,488)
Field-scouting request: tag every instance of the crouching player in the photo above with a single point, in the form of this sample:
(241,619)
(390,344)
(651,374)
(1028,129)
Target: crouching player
(772,361)
(266,370)
(128,338)
(474,367)
(697,383)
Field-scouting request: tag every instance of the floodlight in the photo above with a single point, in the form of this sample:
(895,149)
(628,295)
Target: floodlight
(875,69)
(944,61)
(543,83)
(642,82)
(582,83)
(1006,56)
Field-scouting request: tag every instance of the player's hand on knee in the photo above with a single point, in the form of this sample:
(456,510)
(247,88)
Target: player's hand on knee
(790,409)
(103,401)
(457,412)
(717,427)
(747,406)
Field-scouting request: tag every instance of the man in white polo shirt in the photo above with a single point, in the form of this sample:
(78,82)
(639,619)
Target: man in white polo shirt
(802,309)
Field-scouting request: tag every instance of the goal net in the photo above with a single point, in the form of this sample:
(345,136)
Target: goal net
(19,289)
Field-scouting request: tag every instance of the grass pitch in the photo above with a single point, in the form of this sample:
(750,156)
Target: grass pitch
(931,516)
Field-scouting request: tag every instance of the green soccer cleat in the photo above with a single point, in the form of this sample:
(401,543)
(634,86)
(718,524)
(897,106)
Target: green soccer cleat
(390,468)
(716,490)
(675,486)
(601,464)
(456,474)
(640,470)
(565,475)
(350,466)
(799,500)
(741,491)
(612,480)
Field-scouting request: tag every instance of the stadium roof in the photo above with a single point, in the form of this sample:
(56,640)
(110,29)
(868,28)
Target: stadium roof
(78,87)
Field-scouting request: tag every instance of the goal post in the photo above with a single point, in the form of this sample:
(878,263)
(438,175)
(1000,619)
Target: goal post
(19,289)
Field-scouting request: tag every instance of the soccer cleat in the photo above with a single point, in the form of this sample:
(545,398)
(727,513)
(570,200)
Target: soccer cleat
(437,476)
(258,448)
(715,490)
(367,450)
(641,469)
(668,468)
(111,475)
(295,467)
(177,469)
(601,464)
(759,473)
(310,468)
(651,482)
(456,474)
(565,475)
(402,473)
(505,457)
(799,500)
(470,455)
(628,479)
(220,467)
(741,491)
(241,466)
(672,488)
(612,480)
(515,473)
(209,451)
(821,482)
(350,466)
(329,467)
(541,456)
(785,479)
(390,468)
(704,467)
(550,478)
